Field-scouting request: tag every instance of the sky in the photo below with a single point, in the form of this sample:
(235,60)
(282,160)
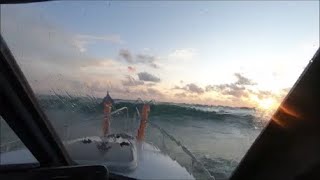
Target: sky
(234,53)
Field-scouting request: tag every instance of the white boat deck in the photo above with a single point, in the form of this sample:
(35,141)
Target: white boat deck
(137,160)
(122,156)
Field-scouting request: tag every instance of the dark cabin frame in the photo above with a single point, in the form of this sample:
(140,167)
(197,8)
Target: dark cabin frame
(289,146)
(20,109)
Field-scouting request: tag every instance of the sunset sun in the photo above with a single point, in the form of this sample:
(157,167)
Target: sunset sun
(267,104)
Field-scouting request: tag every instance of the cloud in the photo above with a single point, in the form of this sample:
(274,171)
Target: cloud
(229,89)
(154,93)
(97,86)
(41,47)
(180,95)
(130,58)
(150,84)
(263,94)
(144,76)
(154,65)
(237,89)
(126,55)
(146,94)
(144,58)
(191,88)
(26,32)
(81,41)
(243,80)
(100,87)
(51,43)
(130,81)
(178,87)
(131,69)
(58,62)
(194,88)
(147,59)
(99,68)
(100,63)
(44,50)
(182,54)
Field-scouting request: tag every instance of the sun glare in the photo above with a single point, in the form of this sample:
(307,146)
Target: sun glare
(267,104)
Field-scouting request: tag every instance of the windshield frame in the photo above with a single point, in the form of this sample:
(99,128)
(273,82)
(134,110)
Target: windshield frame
(25,117)
(296,116)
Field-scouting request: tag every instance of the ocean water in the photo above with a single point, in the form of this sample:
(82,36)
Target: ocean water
(218,137)
(196,136)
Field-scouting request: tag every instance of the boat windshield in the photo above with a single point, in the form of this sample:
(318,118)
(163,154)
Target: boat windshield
(192,82)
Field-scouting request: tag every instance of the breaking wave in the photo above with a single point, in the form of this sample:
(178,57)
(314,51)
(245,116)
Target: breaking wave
(219,131)
(89,105)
